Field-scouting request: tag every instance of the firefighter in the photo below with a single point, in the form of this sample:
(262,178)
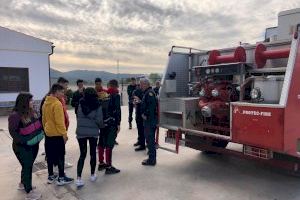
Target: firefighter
(137,98)
(149,115)
(157,87)
(130,90)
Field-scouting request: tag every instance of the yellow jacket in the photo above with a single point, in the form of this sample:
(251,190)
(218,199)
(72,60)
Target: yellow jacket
(53,118)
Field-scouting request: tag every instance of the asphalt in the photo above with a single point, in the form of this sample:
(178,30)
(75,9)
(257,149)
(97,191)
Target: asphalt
(188,175)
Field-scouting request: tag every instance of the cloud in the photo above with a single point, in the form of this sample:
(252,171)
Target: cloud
(93,34)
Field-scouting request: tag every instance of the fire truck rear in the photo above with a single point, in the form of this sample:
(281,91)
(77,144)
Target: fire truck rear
(248,95)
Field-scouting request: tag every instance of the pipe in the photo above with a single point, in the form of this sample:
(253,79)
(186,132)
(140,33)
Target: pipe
(262,54)
(203,133)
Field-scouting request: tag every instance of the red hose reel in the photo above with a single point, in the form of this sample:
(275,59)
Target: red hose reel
(216,58)
(262,54)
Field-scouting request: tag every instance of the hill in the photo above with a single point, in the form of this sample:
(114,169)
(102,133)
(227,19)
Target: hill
(88,76)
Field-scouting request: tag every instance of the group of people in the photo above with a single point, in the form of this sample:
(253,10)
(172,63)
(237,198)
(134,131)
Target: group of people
(98,114)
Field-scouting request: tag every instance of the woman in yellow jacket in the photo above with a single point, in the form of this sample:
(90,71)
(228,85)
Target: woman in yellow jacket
(56,135)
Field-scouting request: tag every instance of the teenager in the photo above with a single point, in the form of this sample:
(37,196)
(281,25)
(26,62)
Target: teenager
(89,122)
(112,119)
(26,131)
(56,134)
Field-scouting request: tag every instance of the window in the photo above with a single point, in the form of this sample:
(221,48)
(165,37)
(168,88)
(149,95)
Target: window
(14,79)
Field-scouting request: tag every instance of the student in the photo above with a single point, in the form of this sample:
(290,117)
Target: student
(112,119)
(89,122)
(78,94)
(56,134)
(64,83)
(26,131)
(98,86)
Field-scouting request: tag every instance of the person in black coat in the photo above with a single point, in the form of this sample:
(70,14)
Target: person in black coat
(137,99)
(150,119)
(130,90)
(112,120)
(78,94)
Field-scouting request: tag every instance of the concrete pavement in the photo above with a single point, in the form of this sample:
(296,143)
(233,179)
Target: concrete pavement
(189,175)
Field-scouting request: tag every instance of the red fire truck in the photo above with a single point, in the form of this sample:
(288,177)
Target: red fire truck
(247,95)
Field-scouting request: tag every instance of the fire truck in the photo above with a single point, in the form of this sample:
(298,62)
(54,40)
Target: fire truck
(248,95)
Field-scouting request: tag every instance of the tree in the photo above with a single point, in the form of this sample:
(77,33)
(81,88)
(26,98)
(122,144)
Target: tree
(153,77)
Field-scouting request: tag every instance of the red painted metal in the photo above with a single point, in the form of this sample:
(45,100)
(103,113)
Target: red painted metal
(291,112)
(258,126)
(262,55)
(215,56)
(177,136)
(157,127)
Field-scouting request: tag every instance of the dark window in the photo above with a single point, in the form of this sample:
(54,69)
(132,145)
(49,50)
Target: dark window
(14,79)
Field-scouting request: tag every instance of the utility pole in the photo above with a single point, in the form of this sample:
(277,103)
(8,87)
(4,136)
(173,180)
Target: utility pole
(118,79)
(118,72)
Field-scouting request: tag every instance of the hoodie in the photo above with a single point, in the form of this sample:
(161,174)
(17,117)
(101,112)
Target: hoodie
(53,118)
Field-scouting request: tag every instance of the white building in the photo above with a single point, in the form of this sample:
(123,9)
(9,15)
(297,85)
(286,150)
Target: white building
(24,66)
(287,25)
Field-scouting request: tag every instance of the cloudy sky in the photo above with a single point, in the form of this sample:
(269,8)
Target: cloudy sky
(94,34)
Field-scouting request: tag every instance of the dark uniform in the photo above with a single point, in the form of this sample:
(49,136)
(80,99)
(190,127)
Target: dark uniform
(75,100)
(156,90)
(139,120)
(130,90)
(149,110)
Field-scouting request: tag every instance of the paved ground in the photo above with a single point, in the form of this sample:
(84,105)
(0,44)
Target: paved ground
(189,175)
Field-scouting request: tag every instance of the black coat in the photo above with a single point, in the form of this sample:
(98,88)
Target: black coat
(149,108)
(130,90)
(75,100)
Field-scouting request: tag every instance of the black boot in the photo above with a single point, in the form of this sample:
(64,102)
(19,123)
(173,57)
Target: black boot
(136,144)
(102,166)
(149,162)
(140,148)
(112,170)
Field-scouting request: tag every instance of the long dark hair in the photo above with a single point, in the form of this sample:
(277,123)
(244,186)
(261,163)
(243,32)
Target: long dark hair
(22,105)
(90,101)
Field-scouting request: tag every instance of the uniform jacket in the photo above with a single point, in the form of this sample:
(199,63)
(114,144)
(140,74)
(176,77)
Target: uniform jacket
(130,90)
(149,107)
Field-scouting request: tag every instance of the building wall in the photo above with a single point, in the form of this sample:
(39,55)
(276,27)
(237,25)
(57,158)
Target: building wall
(38,65)
(287,22)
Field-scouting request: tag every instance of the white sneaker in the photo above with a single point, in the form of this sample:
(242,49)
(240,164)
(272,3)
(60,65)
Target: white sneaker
(33,195)
(21,186)
(93,178)
(68,165)
(79,182)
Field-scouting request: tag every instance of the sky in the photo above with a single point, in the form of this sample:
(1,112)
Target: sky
(94,34)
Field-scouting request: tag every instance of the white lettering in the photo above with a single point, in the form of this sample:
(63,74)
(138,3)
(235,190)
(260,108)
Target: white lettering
(256,113)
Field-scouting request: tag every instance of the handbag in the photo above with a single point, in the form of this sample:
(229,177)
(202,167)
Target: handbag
(36,139)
